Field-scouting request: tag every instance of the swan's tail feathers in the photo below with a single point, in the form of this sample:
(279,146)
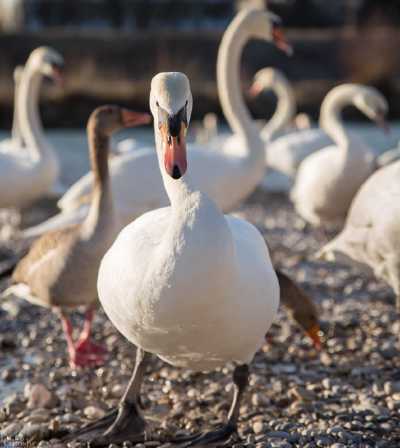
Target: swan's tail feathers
(57,222)
(389,156)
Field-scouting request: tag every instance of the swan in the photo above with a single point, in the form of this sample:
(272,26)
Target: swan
(60,269)
(16,140)
(285,153)
(370,239)
(228,175)
(30,173)
(327,180)
(184,282)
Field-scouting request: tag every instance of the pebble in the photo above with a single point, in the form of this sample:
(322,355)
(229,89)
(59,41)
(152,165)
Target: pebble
(93,412)
(39,396)
(259,427)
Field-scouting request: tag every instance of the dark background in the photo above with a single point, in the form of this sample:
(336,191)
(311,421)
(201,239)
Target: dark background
(112,48)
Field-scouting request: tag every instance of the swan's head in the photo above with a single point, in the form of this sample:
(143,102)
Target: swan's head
(110,118)
(266,79)
(373,104)
(171,105)
(48,62)
(264,25)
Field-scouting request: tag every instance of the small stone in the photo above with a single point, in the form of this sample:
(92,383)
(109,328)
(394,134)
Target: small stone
(8,375)
(259,427)
(11,430)
(278,435)
(93,412)
(39,397)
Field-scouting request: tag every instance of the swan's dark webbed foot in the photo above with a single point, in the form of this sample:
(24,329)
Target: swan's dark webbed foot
(122,424)
(117,426)
(222,434)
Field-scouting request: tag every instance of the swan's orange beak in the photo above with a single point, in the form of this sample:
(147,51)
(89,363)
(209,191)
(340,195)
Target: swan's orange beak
(255,89)
(174,146)
(381,122)
(57,75)
(280,40)
(314,334)
(131,118)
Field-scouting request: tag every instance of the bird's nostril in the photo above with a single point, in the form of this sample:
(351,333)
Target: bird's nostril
(176,172)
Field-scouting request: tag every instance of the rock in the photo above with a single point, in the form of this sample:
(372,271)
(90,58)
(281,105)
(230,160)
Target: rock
(11,430)
(93,412)
(39,396)
(278,435)
(259,427)
(34,432)
(8,375)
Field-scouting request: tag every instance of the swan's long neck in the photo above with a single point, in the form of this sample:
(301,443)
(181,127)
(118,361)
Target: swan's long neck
(29,119)
(229,88)
(330,115)
(101,209)
(285,109)
(16,131)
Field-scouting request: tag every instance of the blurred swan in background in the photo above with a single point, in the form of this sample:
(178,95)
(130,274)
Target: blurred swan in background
(328,179)
(228,175)
(29,173)
(370,239)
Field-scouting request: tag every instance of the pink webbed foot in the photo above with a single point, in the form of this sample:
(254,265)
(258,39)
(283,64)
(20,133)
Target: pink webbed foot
(83,357)
(88,346)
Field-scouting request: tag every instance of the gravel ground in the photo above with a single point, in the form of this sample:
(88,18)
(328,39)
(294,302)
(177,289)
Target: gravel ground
(347,395)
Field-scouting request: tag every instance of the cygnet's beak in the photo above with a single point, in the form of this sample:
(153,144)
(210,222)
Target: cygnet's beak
(131,118)
(314,334)
(280,39)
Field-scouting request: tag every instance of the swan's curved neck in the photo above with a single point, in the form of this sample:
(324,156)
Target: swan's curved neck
(330,116)
(28,113)
(101,205)
(229,87)
(15,130)
(284,112)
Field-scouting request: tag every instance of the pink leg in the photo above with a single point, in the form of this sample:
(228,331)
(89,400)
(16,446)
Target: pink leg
(79,354)
(84,344)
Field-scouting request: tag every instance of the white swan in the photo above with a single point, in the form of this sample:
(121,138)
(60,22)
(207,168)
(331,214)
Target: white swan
(227,176)
(30,173)
(184,282)
(327,180)
(370,239)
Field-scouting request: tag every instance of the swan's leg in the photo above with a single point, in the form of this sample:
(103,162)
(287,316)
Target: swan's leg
(122,424)
(240,381)
(84,343)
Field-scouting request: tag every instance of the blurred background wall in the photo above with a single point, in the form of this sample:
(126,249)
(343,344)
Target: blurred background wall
(112,48)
